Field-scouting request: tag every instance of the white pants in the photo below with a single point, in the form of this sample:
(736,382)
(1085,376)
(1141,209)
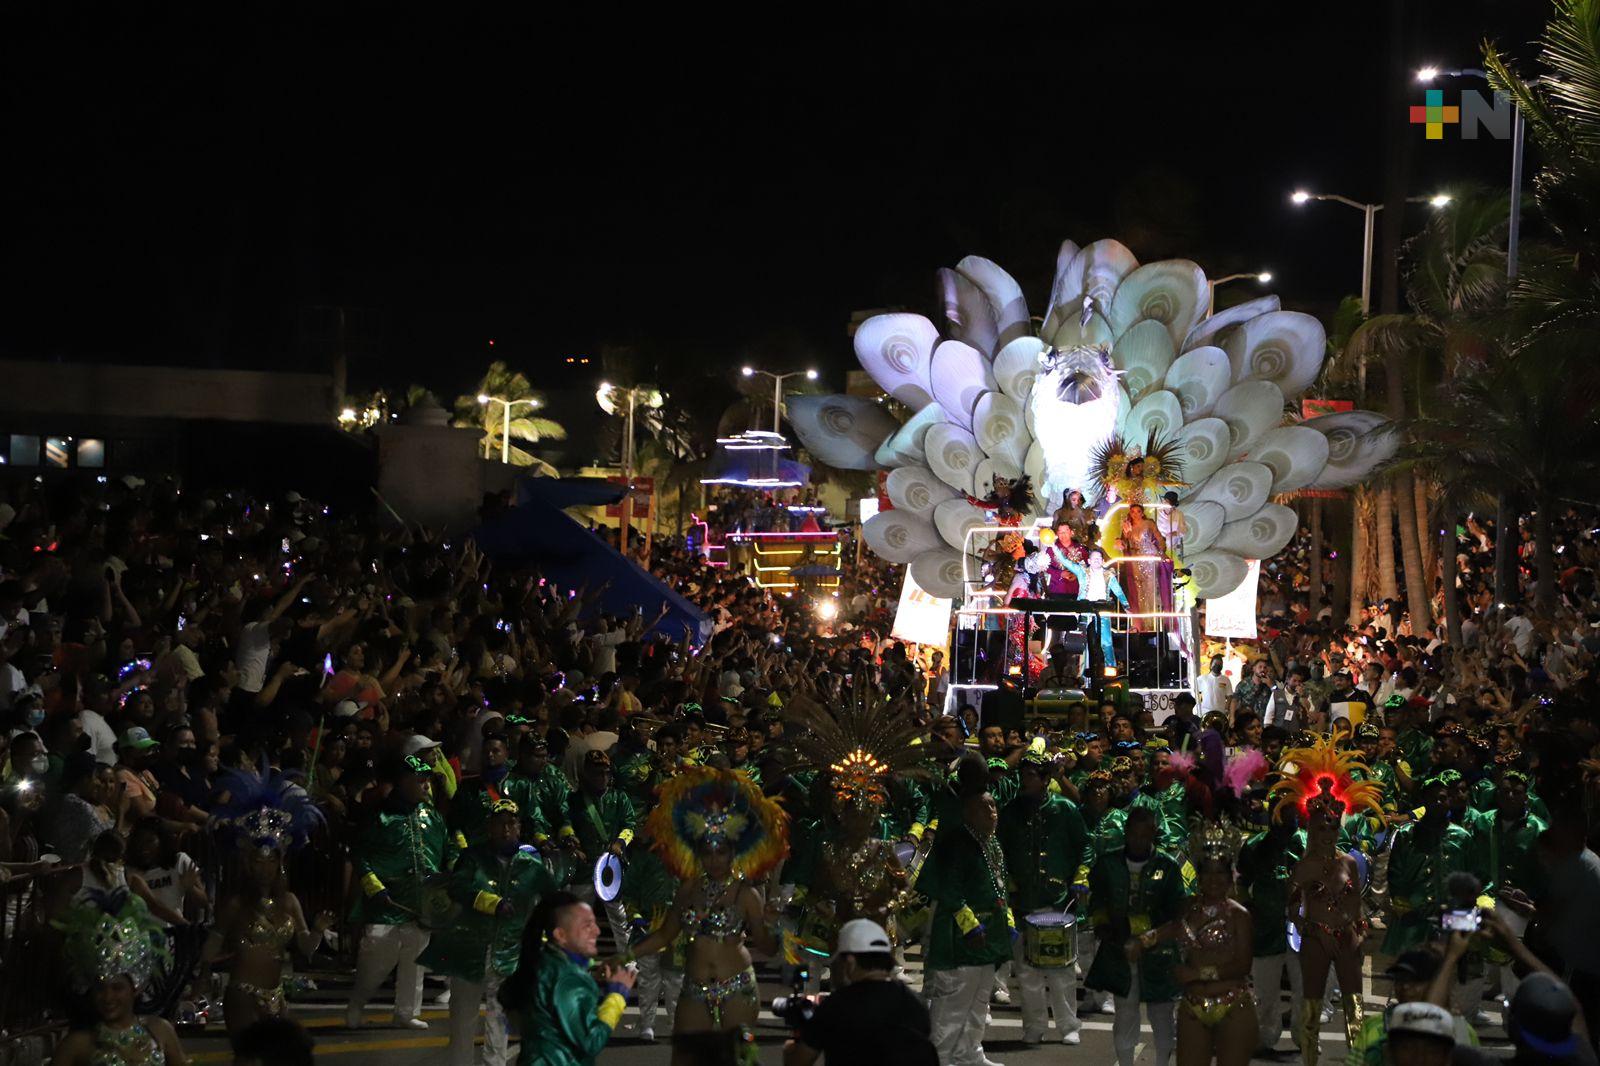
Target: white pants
(465,998)
(386,949)
(958,1002)
(1125,1026)
(654,980)
(1046,992)
(1266,973)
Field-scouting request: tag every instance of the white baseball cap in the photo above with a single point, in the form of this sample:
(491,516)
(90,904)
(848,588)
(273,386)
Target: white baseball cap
(416,745)
(862,936)
(346,709)
(1423,1019)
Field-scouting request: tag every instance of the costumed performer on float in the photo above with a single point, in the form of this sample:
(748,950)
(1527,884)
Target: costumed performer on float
(113,948)
(716,832)
(1138,476)
(1320,783)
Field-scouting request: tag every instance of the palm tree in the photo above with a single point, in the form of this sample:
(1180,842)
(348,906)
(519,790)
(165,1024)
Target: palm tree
(1454,278)
(503,384)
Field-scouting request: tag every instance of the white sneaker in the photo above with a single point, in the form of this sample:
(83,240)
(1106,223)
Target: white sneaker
(1071,1038)
(647,1035)
(1000,996)
(987,1061)
(410,1023)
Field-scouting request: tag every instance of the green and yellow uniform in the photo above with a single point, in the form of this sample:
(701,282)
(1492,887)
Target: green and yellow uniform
(599,821)
(966,879)
(395,855)
(1266,868)
(568,1018)
(1046,848)
(480,938)
(1421,861)
(1125,903)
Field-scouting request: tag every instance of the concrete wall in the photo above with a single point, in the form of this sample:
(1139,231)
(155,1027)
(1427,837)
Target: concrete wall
(165,392)
(432,474)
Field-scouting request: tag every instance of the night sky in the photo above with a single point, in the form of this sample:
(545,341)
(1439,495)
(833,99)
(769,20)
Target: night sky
(708,189)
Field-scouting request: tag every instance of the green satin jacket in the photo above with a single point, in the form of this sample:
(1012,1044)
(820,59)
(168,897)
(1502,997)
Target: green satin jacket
(1047,852)
(1420,863)
(966,880)
(1148,902)
(396,853)
(1505,851)
(598,822)
(1265,871)
(569,1019)
(478,937)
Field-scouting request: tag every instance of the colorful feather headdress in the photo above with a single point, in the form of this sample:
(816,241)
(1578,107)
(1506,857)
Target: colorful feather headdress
(111,936)
(867,741)
(704,807)
(1162,467)
(1322,769)
(267,810)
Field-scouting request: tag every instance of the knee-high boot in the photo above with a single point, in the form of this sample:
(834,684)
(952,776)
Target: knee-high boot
(1353,1015)
(1310,1030)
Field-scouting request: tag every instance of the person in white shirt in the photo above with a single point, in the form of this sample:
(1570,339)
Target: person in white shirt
(1521,631)
(1214,689)
(254,651)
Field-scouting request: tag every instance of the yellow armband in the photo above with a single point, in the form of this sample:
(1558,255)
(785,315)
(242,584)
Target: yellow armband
(916,831)
(933,823)
(486,903)
(626,836)
(541,838)
(610,1010)
(371,885)
(1011,919)
(461,840)
(1082,876)
(1418,814)
(967,920)
(566,831)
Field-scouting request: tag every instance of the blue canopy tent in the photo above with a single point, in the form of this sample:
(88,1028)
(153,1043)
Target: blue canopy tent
(538,532)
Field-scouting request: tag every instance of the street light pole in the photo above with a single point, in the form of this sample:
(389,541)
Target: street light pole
(1212,283)
(777,390)
(505,422)
(1514,228)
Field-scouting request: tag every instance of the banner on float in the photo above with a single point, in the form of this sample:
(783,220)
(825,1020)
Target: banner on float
(921,618)
(1234,615)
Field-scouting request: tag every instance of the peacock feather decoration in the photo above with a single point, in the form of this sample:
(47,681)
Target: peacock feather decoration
(1123,350)
(703,807)
(861,745)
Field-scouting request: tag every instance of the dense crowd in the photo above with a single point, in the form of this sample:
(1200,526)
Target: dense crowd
(167,658)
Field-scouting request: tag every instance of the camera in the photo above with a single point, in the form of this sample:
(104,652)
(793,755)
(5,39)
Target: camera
(1467,920)
(797,1008)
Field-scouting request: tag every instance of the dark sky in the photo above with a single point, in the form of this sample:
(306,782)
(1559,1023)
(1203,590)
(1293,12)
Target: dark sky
(706,187)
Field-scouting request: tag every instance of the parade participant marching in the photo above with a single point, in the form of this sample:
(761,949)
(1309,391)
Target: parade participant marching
(598,819)
(110,955)
(1424,854)
(972,929)
(477,795)
(1266,870)
(1504,839)
(496,885)
(538,787)
(1216,1018)
(1046,849)
(1319,784)
(397,852)
(565,1016)
(719,835)
(648,890)
(1133,890)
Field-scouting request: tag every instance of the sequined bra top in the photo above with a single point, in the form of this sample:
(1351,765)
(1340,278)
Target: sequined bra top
(263,932)
(720,919)
(133,1046)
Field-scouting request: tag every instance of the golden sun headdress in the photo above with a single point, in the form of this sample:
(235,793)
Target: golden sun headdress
(1159,463)
(1322,769)
(868,740)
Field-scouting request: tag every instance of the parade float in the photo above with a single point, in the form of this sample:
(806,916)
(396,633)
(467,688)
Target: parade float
(1126,390)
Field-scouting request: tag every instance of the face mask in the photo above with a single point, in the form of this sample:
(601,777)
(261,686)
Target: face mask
(39,765)
(35,716)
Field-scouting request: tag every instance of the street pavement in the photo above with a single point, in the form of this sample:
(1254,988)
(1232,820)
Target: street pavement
(322,1012)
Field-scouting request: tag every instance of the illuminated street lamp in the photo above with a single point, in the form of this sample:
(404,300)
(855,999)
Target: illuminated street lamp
(1514,230)
(505,426)
(1300,196)
(1212,283)
(777,387)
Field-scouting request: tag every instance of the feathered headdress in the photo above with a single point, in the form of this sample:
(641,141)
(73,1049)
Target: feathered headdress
(109,937)
(860,746)
(1323,770)
(703,807)
(1244,770)
(1162,467)
(267,810)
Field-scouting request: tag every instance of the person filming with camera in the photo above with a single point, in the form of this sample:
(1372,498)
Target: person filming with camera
(870,1018)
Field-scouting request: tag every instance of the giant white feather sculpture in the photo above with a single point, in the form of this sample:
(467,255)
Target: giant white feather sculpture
(1122,348)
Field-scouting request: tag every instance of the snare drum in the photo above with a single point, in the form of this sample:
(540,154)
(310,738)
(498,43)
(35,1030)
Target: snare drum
(1050,939)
